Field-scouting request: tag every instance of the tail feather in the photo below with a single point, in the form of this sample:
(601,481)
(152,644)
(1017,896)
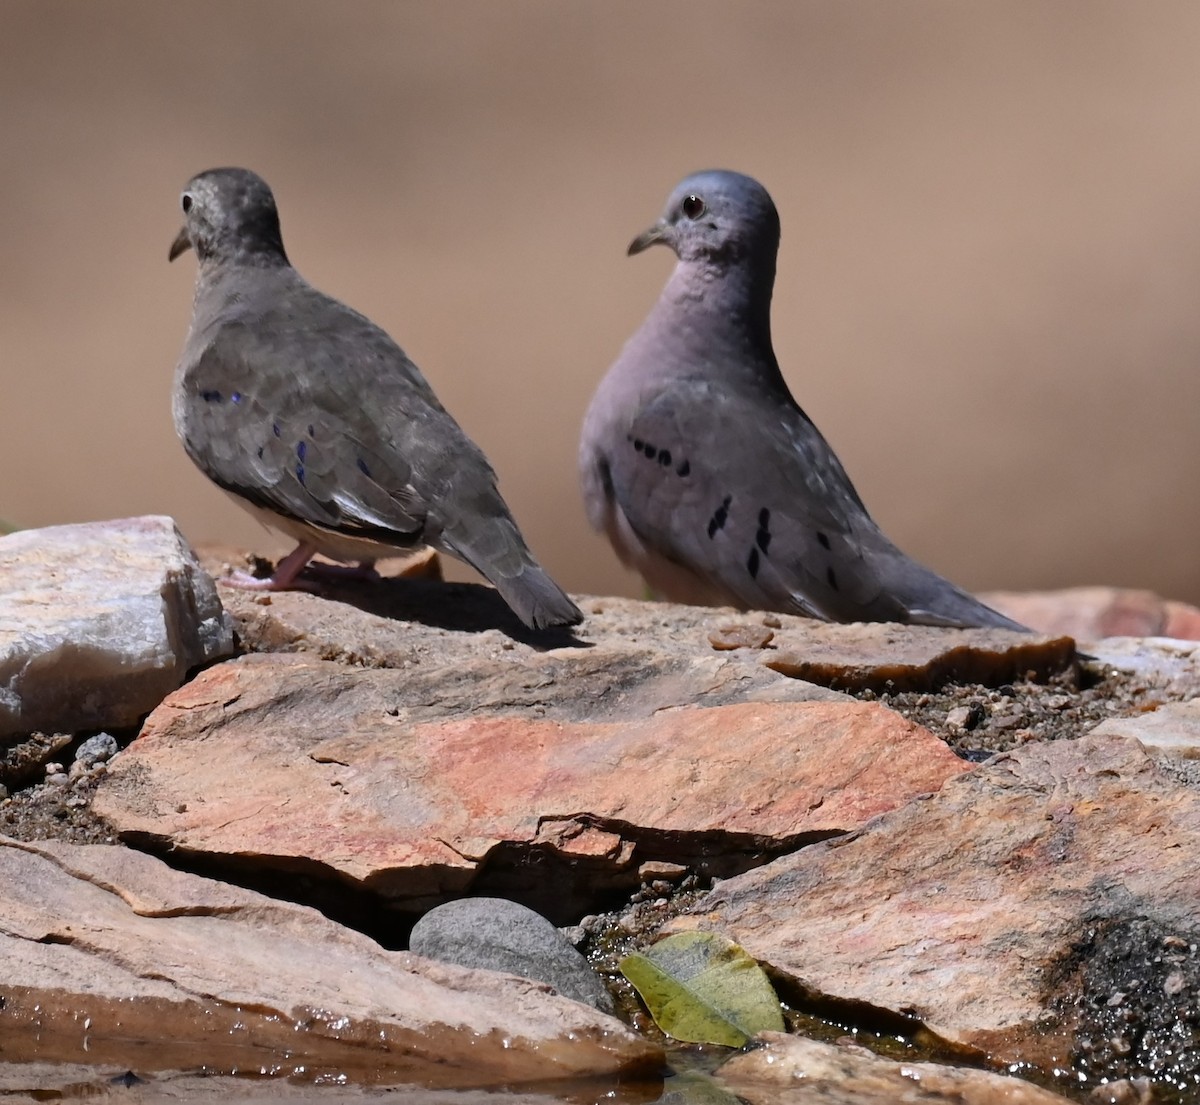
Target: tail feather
(536,599)
(499,554)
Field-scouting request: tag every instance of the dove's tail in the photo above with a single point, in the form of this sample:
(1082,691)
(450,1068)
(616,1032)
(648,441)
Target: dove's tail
(536,599)
(499,553)
(928,599)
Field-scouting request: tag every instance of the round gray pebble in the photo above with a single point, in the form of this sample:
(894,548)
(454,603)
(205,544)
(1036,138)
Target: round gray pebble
(500,935)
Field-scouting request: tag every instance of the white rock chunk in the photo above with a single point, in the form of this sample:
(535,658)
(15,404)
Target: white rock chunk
(99,622)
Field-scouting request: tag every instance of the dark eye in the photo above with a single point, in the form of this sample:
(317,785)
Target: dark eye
(187,203)
(693,207)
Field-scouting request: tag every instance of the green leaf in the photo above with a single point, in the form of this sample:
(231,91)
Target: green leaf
(703,988)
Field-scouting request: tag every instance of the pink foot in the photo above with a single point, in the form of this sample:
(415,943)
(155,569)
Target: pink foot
(284,578)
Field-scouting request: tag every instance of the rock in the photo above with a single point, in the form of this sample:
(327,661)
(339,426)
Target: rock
(28,1083)
(400,623)
(25,761)
(1004,912)
(499,935)
(417,785)
(1170,666)
(880,656)
(792,1070)
(99,622)
(97,749)
(110,957)
(1091,613)
(1171,730)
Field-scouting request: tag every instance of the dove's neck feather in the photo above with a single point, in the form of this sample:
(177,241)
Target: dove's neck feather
(719,313)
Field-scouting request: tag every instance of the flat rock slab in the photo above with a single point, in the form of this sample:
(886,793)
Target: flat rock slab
(110,956)
(1093,613)
(1164,664)
(403,622)
(1032,909)
(1171,730)
(792,1070)
(99,622)
(293,763)
(29,1083)
(880,656)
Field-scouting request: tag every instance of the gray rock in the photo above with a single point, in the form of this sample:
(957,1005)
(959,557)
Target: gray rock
(96,750)
(100,622)
(500,935)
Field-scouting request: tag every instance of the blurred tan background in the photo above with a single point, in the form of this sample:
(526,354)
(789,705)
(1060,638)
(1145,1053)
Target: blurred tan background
(988,285)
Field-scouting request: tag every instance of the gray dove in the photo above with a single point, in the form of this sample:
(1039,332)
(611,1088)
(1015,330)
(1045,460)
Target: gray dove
(701,468)
(312,418)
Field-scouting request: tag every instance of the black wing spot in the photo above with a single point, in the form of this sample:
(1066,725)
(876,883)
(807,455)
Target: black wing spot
(829,575)
(300,473)
(752,563)
(637,443)
(683,469)
(824,540)
(763,537)
(362,467)
(260,452)
(606,480)
(211,396)
(236,397)
(664,457)
(720,516)
(301,450)
(275,430)
(649,450)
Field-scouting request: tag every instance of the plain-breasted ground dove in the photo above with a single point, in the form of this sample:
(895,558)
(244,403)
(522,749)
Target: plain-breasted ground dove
(316,421)
(701,468)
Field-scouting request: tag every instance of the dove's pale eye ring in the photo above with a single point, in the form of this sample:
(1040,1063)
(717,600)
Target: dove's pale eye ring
(693,207)
(186,203)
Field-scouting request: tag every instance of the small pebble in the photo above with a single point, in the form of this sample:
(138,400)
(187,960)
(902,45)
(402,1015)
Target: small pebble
(54,769)
(740,635)
(1174,984)
(575,934)
(57,779)
(96,749)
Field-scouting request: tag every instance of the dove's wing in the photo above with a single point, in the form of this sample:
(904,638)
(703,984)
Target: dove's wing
(762,506)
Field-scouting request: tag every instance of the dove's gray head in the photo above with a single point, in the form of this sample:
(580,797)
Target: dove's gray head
(230,215)
(716,216)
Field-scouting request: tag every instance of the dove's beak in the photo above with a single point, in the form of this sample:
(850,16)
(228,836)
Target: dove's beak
(647,238)
(181,244)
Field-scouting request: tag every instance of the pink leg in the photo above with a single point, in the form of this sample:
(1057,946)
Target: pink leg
(284,576)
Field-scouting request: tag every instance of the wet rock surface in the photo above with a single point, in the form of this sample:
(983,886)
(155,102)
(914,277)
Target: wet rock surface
(103,947)
(99,621)
(790,1070)
(973,908)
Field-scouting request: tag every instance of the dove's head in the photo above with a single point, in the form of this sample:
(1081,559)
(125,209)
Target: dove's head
(716,216)
(229,215)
